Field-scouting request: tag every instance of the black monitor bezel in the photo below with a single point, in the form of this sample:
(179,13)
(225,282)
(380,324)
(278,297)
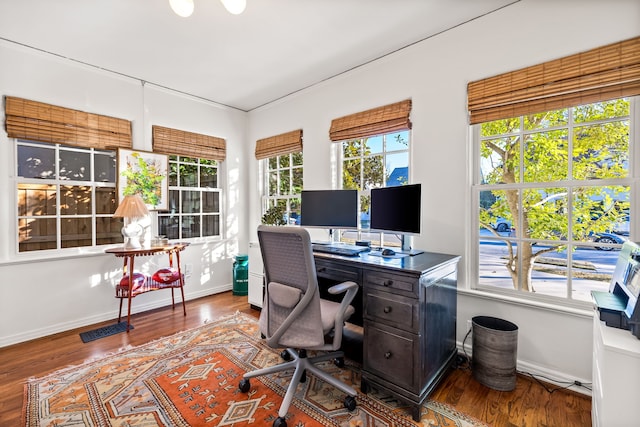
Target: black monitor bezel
(334,202)
(393,202)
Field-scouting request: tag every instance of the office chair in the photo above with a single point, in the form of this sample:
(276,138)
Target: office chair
(295,317)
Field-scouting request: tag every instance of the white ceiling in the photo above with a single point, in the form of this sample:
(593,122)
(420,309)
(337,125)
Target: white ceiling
(275,48)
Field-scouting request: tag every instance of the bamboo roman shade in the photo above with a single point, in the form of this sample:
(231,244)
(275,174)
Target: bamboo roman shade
(189,144)
(386,119)
(601,74)
(285,143)
(37,121)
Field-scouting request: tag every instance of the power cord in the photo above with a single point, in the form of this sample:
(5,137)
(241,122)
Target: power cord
(464,362)
(549,390)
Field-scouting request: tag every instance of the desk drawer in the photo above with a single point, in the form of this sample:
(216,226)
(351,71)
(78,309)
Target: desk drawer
(392,355)
(337,272)
(392,310)
(392,282)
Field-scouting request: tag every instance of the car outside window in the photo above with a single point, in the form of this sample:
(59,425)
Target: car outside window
(553,194)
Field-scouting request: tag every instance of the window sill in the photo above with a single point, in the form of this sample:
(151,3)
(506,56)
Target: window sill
(581,310)
(75,253)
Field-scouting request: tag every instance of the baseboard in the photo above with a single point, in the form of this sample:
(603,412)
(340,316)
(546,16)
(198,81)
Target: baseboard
(550,376)
(98,318)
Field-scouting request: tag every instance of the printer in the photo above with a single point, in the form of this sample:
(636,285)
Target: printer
(620,306)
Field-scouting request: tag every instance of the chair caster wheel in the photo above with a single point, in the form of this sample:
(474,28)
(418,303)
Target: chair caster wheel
(350,403)
(303,377)
(244,385)
(285,355)
(339,362)
(280,422)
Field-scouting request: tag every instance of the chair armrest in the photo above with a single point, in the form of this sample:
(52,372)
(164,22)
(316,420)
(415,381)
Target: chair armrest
(343,287)
(351,289)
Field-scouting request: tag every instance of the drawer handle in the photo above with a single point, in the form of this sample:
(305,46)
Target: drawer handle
(387,355)
(388,282)
(322,269)
(387,309)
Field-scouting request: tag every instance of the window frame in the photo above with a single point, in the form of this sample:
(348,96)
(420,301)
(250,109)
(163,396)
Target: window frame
(476,188)
(58,182)
(175,159)
(271,200)
(376,238)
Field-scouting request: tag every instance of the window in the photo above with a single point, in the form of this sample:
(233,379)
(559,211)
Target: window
(66,197)
(371,162)
(194,199)
(552,193)
(283,180)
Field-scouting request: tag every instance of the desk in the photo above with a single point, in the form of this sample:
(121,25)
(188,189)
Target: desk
(129,256)
(408,312)
(407,308)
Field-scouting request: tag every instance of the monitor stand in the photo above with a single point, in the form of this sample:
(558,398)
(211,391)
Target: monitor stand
(406,247)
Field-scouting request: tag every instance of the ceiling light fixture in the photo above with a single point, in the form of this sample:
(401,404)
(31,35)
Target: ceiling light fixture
(235,7)
(183,8)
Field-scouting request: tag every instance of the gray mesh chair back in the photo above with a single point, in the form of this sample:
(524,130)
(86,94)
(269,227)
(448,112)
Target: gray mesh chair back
(295,317)
(291,309)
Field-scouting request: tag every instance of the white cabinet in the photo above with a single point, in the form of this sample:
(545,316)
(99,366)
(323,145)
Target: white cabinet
(256,275)
(616,376)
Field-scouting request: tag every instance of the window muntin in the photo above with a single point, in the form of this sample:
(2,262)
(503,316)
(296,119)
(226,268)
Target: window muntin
(374,162)
(283,179)
(65,196)
(194,199)
(549,221)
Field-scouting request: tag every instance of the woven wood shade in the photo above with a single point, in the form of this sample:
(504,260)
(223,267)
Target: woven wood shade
(188,144)
(285,143)
(601,74)
(37,121)
(386,119)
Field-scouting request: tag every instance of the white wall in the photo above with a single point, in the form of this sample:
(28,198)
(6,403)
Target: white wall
(41,297)
(38,298)
(434,74)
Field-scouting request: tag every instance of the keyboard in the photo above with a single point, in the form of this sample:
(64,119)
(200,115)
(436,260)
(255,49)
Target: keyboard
(344,250)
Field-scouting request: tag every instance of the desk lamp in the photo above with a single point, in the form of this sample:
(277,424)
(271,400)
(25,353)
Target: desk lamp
(131,208)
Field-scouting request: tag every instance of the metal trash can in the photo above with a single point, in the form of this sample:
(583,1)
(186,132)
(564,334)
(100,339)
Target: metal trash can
(241,275)
(495,352)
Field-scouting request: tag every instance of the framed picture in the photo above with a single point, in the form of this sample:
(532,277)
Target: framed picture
(144,173)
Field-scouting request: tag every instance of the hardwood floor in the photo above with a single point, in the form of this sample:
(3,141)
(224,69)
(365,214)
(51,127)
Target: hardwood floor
(528,405)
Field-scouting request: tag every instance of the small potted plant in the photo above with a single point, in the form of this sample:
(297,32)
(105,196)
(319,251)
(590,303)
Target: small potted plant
(274,216)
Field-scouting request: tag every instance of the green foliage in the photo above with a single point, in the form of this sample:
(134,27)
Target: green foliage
(274,216)
(144,178)
(365,174)
(600,150)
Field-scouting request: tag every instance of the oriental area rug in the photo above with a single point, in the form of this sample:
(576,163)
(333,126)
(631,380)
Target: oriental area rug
(191,379)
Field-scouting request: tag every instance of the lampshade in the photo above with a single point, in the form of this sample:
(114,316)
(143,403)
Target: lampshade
(183,8)
(131,207)
(235,7)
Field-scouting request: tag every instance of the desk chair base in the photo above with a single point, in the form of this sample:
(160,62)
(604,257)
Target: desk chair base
(301,364)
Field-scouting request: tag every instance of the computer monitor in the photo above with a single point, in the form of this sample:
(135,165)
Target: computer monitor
(397,210)
(329,209)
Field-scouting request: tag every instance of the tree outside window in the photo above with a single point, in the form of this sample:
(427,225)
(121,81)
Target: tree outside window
(283,178)
(374,162)
(554,195)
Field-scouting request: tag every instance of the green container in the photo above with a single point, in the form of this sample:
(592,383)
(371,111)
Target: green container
(241,275)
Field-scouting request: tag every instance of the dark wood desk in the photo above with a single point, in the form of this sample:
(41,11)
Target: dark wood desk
(129,256)
(408,311)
